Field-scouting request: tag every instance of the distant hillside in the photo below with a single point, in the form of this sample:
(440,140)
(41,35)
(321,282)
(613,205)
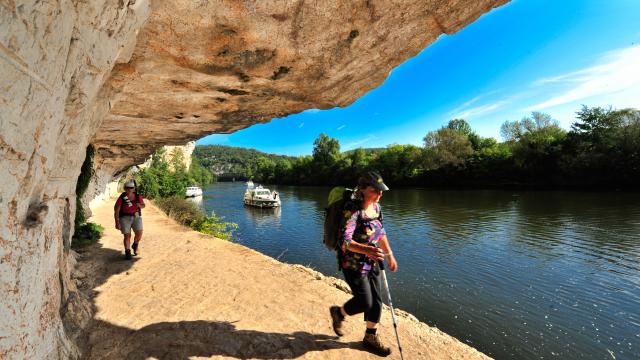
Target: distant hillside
(234,162)
(367,151)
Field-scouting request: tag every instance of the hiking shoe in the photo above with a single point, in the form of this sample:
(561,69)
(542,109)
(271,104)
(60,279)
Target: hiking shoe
(373,343)
(134,246)
(337,320)
(127,254)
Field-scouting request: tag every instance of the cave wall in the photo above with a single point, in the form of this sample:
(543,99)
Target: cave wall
(130,76)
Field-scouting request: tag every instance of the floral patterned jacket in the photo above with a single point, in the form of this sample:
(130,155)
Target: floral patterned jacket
(364,230)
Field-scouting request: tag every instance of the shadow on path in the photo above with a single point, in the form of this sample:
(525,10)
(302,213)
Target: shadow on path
(183,339)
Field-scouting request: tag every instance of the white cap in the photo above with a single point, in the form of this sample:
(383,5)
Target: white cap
(129,184)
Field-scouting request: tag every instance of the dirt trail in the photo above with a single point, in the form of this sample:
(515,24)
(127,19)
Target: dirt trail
(193,296)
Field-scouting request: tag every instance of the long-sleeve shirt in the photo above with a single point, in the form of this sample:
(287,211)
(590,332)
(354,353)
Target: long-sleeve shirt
(364,230)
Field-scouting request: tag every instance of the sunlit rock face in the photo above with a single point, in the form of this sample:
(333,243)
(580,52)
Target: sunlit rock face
(55,57)
(74,72)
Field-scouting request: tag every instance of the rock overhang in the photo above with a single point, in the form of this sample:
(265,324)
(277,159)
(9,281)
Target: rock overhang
(217,66)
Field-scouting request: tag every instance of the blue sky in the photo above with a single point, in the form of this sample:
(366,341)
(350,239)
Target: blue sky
(529,55)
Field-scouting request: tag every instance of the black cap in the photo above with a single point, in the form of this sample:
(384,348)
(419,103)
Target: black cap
(373,179)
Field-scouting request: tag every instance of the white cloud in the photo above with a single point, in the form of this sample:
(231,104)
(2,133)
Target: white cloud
(357,143)
(464,111)
(474,100)
(341,127)
(478,110)
(617,72)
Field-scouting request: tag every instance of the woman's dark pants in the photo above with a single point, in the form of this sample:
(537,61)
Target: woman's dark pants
(367,296)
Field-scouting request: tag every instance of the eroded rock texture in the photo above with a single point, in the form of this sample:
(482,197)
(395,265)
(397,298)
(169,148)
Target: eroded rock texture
(203,67)
(74,72)
(55,57)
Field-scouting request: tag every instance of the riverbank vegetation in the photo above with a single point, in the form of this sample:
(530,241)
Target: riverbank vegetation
(165,181)
(600,151)
(190,214)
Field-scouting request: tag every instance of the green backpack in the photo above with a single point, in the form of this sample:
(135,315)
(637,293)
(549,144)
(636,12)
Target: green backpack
(342,202)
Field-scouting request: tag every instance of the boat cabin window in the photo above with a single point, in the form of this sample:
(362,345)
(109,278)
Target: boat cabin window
(263,192)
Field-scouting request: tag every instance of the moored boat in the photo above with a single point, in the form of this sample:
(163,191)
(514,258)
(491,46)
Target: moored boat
(259,196)
(193,191)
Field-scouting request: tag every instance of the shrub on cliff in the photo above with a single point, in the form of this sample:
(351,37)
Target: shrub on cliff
(86,234)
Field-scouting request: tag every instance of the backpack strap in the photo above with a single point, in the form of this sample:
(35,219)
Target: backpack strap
(137,201)
(122,198)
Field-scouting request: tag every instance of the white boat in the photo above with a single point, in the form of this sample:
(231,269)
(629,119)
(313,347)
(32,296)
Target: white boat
(193,191)
(261,197)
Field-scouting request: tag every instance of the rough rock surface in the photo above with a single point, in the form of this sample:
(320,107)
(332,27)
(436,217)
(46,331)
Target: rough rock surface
(55,57)
(75,72)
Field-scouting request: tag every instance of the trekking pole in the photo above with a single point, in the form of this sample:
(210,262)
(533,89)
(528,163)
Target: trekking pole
(393,315)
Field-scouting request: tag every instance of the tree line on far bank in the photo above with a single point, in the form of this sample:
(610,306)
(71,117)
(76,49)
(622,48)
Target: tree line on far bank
(600,151)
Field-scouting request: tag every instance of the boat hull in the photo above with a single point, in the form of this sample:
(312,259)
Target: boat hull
(193,193)
(262,203)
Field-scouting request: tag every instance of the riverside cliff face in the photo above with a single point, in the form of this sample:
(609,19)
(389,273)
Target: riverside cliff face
(130,76)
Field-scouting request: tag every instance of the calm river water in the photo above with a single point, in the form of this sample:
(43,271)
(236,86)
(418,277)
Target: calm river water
(517,275)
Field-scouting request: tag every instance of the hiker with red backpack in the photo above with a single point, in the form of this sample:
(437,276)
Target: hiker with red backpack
(128,215)
(361,251)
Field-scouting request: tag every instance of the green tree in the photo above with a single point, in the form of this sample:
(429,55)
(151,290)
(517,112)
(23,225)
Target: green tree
(282,171)
(446,147)
(536,142)
(399,163)
(359,162)
(326,155)
(265,169)
(198,174)
(461,126)
(326,150)
(598,127)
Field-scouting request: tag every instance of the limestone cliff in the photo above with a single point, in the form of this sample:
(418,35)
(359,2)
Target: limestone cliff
(185,152)
(133,75)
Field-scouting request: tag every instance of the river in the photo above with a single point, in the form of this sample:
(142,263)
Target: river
(517,275)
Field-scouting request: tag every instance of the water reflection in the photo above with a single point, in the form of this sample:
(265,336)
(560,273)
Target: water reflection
(263,216)
(196,200)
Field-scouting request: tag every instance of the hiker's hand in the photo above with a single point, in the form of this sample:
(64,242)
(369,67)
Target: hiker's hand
(375,253)
(393,265)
